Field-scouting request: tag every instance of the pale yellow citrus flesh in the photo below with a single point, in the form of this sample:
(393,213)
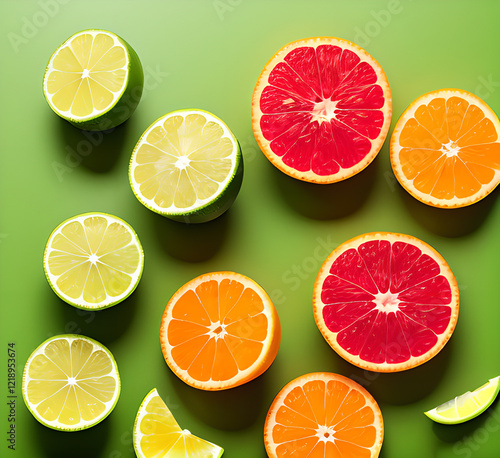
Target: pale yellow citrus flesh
(71,383)
(86,75)
(157,434)
(93,260)
(182,162)
(466,406)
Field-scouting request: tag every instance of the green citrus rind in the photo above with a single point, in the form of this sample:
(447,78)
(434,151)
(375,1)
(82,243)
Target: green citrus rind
(123,107)
(91,424)
(84,305)
(220,203)
(433,415)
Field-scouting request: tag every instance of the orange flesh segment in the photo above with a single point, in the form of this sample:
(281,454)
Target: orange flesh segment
(318,415)
(217,330)
(449,148)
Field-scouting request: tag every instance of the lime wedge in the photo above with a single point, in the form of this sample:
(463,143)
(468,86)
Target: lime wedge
(71,382)
(187,166)
(93,261)
(157,434)
(94,80)
(467,406)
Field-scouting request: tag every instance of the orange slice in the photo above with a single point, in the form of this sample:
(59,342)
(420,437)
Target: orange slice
(321,109)
(386,302)
(323,415)
(445,149)
(219,330)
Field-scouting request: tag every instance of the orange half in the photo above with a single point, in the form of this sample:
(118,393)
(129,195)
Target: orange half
(323,415)
(219,330)
(445,149)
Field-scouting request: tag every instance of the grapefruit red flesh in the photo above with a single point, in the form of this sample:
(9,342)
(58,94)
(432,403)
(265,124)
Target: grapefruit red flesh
(321,109)
(386,302)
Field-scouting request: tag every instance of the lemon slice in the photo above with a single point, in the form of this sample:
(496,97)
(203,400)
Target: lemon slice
(93,261)
(467,406)
(94,80)
(71,382)
(187,166)
(157,434)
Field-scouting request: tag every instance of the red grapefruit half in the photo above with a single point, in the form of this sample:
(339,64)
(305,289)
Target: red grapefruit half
(321,109)
(386,302)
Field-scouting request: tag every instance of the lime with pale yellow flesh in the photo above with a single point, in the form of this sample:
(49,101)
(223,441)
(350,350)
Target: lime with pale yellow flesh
(93,261)
(94,80)
(71,382)
(157,434)
(467,406)
(187,166)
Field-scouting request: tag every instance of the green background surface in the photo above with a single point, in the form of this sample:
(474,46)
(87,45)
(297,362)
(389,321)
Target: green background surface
(208,54)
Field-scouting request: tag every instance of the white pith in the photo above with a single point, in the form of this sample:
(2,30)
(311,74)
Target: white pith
(386,302)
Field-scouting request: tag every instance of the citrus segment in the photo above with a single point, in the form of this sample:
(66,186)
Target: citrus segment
(94,80)
(157,434)
(187,166)
(445,149)
(93,260)
(219,330)
(70,383)
(466,406)
(321,109)
(386,302)
(323,415)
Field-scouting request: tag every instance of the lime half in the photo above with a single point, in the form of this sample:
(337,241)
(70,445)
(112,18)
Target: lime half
(93,261)
(467,406)
(71,382)
(94,80)
(187,166)
(157,434)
